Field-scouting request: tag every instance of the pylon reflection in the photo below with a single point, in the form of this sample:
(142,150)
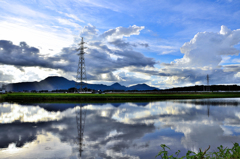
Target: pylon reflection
(80,120)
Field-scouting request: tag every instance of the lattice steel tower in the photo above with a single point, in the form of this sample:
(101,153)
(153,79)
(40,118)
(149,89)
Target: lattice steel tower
(80,120)
(208,87)
(81,71)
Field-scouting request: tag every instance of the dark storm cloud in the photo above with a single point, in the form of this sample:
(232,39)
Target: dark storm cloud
(98,59)
(110,51)
(232,68)
(23,55)
(216,76)
(127,45)
(121,44)
(124,57)
(143,44)
(167,64)
(133,58)
(101,60)
(227,75)
(141,70)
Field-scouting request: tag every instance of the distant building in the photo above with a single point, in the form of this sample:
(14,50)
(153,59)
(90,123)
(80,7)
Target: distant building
(2,91)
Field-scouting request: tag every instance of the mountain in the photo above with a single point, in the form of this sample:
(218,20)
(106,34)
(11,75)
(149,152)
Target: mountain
(141,87)
(50,83)
(117,86)
(57,83)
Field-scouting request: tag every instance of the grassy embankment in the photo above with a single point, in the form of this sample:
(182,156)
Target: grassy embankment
(111,97)
(221,153)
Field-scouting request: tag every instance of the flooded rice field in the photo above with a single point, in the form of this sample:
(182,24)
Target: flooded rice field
(116,130)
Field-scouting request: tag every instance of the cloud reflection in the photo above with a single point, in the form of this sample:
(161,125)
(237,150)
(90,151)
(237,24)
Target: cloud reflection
(126,131)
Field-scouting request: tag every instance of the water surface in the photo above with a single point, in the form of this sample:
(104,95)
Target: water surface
(117,130)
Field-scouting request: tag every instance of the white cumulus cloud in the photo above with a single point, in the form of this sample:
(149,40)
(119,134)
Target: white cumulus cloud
(206,48)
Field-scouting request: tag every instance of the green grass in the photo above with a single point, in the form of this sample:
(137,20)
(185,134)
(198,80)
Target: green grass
(111,97)
(222,153)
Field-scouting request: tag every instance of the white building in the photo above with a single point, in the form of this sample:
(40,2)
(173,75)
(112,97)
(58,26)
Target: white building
(2,91)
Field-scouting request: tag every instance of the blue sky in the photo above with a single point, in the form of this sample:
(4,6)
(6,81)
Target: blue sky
(164,43)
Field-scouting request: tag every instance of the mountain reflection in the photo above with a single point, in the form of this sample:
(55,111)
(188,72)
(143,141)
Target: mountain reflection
(120,130)
(212,102)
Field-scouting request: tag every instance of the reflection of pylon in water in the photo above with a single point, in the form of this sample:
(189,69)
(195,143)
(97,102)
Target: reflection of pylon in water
(208,107)
(80,120)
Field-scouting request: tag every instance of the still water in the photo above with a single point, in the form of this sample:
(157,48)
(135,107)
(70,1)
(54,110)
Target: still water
(117,130)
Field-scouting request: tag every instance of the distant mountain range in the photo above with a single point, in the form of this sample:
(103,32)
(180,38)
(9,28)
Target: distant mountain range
(61,83)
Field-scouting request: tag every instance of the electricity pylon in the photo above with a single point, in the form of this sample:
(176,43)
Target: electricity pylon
(80,120)
(81,71)
(208,87)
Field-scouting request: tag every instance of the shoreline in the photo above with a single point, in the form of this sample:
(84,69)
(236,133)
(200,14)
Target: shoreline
(43,97)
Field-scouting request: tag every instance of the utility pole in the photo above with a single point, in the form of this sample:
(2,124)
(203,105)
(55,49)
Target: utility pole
(81,70)
(80,120)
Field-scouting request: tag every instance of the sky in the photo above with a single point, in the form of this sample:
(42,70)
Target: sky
(163,43)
